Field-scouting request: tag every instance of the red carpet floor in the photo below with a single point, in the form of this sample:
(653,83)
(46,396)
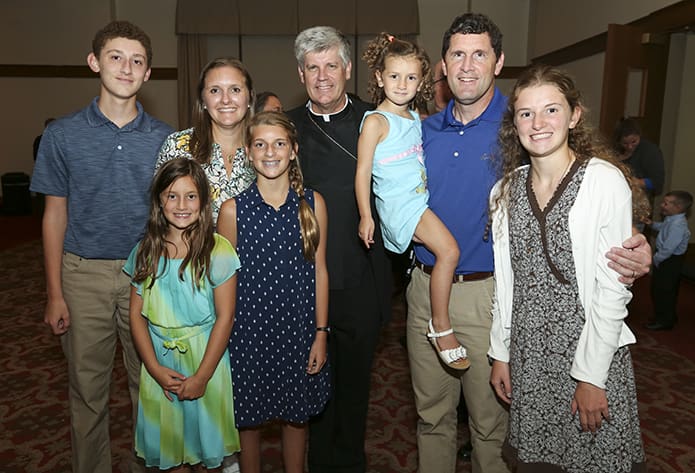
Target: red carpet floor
(34,434)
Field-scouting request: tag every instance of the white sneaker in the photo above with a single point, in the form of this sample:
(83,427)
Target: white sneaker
(230,464)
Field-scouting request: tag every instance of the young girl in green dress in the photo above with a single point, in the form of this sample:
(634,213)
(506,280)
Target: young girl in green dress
(181,312)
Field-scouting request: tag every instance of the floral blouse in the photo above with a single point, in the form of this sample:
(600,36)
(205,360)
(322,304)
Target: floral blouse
(222,187)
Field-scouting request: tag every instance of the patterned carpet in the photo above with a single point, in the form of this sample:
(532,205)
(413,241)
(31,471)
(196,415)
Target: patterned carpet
(34,434)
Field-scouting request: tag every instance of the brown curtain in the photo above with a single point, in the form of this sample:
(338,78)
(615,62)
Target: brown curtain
(268,17)
(399,17)
(340,15)
(192,56)
(195,19)
(208,16)
(287,17)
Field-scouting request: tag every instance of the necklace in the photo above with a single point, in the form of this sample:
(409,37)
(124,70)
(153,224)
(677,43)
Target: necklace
(544,196)
(567,169)
(559,179)
(232,156)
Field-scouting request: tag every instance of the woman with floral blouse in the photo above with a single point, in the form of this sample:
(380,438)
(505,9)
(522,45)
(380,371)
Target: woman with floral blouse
(216,140)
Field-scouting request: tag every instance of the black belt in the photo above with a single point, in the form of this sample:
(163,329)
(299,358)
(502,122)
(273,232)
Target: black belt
(457,277)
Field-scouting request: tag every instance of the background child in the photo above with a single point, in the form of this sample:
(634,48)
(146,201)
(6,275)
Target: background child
(558,335)
(671,245)
(389,154)
(181,313)
(278,345)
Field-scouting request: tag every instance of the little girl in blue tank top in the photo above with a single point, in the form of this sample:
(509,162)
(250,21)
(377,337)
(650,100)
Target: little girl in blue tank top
(390,162)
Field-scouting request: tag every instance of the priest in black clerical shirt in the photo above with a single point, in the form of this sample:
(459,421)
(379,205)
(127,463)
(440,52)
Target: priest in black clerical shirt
(360,279)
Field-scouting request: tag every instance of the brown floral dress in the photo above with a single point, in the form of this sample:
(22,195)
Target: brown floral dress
(547,321)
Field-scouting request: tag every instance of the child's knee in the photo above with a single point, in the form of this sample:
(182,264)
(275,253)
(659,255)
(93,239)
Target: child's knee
(452,254)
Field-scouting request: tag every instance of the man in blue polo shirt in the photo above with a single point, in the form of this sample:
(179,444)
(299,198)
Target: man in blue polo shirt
(95,168)
(459,143)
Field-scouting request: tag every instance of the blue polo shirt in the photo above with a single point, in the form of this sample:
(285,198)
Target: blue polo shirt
(460,176)
(105,173)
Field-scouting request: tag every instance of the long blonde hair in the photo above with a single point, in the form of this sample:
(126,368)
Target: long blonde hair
(308,223)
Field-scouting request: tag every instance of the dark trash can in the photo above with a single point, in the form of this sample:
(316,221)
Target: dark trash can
(16,198)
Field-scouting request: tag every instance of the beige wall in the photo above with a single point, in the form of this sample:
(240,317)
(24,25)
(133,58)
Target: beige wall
(555,24)
(679,107)
(588,74)
(38,32)
(60,33)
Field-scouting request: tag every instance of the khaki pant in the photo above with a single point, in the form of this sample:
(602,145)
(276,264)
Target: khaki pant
(97,293)
(437,389)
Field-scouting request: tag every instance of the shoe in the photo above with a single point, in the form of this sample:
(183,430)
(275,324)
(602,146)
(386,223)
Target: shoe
(657,326)
(456,358)
(230,464)
(466,451)
(403,341)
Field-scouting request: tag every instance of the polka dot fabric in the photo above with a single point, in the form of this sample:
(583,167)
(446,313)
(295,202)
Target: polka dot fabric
(275,321)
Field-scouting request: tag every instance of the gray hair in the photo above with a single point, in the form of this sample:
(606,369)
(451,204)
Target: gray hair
(318,39)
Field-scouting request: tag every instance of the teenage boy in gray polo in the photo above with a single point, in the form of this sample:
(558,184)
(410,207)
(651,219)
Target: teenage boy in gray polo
(95,168)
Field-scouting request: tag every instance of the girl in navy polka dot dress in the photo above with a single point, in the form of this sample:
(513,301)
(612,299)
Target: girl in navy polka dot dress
(278,342)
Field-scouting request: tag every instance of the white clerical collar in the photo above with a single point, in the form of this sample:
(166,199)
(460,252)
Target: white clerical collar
(327,116)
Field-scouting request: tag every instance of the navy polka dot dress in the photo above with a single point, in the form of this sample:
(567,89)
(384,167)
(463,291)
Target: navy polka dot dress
(275,320)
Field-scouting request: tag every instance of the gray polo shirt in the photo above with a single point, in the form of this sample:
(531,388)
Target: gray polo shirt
(105,172)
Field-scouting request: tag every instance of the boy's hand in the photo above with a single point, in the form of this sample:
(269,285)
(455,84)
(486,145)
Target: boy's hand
(57,316)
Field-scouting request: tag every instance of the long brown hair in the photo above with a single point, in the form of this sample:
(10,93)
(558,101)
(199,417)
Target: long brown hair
(583,139)
(308,224)
(201,138)
(199,237)
(386,45)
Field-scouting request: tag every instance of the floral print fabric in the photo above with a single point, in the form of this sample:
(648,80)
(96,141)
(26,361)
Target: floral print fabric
(222,186)
(547,321)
